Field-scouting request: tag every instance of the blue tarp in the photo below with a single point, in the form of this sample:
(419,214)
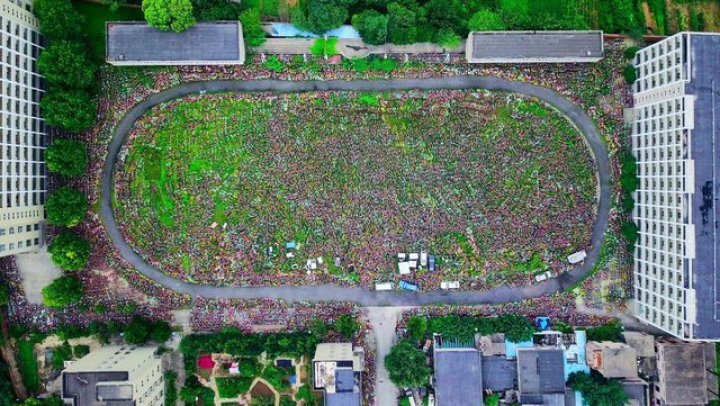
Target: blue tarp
(289,30)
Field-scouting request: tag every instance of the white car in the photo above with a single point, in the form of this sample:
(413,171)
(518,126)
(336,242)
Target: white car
(431,400)
(447,285)
(385,286)
(543,276)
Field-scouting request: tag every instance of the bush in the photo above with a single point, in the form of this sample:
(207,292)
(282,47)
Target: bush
(630,74)
(81,350)
(4,294)
(629,231)
(176,15)
(276,376)
(249,368)
(253,34)
(63,291)
(372,26)
(406,365)
(416,328)
(628,172)
(66,207)
(67,109)
(67,63)
(61,354)
(232,387)
(608,332)
(69,252)
(627,203)
(446,38)
(67,157)
(486,20)
(491,400)
(274,64)
(630,52)
(347,326)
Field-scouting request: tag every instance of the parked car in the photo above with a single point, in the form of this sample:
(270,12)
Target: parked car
(447,285)
(423,259)
(431,263)
(431,400)
(543,276)
(385,286)
(405,285)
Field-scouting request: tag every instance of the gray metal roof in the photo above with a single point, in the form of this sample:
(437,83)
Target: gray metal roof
(683,368)
(540,372)
(499,373)
(705,63)
(534,46)
(136,43)
(342,399)
(458,377)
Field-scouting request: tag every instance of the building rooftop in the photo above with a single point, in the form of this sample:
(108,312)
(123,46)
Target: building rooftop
(541,372)
(636,390)
(458,376)
(683,372)
(498,373)
(534,46)
(643,343)
(207,43)
(705,64)
(83,389)
(612,360)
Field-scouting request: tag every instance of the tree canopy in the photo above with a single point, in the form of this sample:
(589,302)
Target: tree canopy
(66,207)
(416,328)
(58,19)
(67,63)
(140,330)
(176,15)
(67,157)
(372,26)
(67,109)
(598,391)
(406,365)
(63,291)
(347,326)
(69,252)
(401,24)
(320,16)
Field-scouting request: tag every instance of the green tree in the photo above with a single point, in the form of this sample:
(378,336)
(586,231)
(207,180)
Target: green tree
(406,365)
(66,207)
(630,74)
(137,332)
(486,20)
(318,328)
(491,400)
(67,63)
(70,110)
(607,332)
(4,294)
(319,16)
(63,291)
(160,331)
(372,26)
(416,328)
(598,391)
(402,28)
(176,15)
(253,34)
(69,252)
(67,157)
(58,19)
(347,326)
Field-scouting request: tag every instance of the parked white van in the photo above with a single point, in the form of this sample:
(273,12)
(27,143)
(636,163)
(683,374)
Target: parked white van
(446,285)
(385,286)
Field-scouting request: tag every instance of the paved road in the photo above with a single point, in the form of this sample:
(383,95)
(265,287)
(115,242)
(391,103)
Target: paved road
(364,296)
(384,323)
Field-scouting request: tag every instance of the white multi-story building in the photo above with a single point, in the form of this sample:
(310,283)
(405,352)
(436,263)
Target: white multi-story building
(22,131)
(117,376)
(676,140)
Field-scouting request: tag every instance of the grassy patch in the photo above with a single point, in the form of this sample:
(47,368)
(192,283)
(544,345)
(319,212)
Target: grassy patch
(28,365)
(96,15)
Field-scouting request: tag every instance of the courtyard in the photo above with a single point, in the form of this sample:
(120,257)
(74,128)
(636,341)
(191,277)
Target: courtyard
(265,188)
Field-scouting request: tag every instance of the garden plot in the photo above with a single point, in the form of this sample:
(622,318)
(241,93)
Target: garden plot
(251,189)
